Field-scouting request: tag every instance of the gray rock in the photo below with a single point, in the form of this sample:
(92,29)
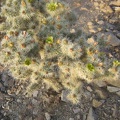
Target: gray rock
(76,110)
(101,22)
(47,116)
(91,115)
(35,93)
(112,39)
(118,35)
(71,118)
(34,101)
(113,89)
(101,83)
(64,96)
(35,111)
(78,117)
(102,94)
(5,77)
(118,93)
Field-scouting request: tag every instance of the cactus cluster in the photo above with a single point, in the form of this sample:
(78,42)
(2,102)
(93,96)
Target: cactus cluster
(49,54)
(19,16)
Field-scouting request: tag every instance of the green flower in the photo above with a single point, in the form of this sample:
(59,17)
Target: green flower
(52,6)
(49,40)
(116,63)
(90,67)
(27,61)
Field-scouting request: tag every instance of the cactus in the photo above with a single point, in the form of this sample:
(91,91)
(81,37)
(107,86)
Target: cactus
(19,16)
(54,56)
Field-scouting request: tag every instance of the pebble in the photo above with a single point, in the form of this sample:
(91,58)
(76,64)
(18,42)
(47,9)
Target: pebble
(47,115)
(89,89)
(101,83)
(35,111)
(96,103)
(78,117)
(118,34)
(35,93)
(101,22)
(5,77)
(34,101)
(71,118)
(91,115)
(93,30)
(76,110)
(112,39)
(114,110)
(64,95)
(102,94)
(87,94)
(113,89)
(118,93)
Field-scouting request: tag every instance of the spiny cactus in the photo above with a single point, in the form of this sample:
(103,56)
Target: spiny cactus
(54,57)
(16,47)
(19,16)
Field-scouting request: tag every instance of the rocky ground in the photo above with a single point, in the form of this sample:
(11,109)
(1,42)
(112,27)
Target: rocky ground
(100,101)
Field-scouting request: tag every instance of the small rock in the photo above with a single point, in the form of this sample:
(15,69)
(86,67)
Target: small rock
(35,111)
(76,110)
(71,118)
(47,115)
(90,24)
(18,100)
(5,77)
(78,117)
(101,83)
(118,35)
(87,94)
(93,30)
(84,117)
(91,115)
(101,22)
(89,89)
(112,39)
(96,103)
(102,94)
(113,89)
(35,93)
(118,93)
(91,40)
(34,101)
(64,95)
(114,110)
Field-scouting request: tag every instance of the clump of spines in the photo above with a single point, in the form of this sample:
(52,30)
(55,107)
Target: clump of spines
(54,58)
